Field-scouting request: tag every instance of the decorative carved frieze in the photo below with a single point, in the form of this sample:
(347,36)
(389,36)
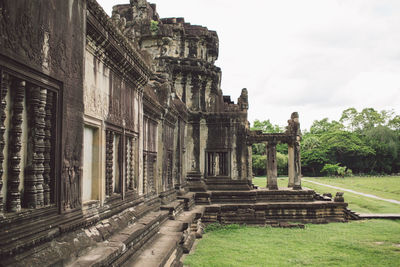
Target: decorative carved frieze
(5,88)
(14,198)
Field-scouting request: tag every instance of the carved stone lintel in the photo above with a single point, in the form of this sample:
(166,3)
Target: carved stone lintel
(14,198)
(5,84)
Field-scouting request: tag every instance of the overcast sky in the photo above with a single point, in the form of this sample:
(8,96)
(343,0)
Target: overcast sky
(317,57)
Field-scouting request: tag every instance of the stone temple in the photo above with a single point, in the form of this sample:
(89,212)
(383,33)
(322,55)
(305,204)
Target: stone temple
(117,143)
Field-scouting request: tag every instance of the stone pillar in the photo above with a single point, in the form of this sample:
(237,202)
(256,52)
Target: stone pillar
(297,165)
(272,166)
(109,162)
(14,197)
(291,164)
(47,174)
(3,105)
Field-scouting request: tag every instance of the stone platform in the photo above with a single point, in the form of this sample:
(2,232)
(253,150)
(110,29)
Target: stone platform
(263,207)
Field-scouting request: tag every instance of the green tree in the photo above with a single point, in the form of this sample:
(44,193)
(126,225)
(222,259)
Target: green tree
(347,148)
(394,123)
(385,142)
(366,119)
(323,126)
(266,127)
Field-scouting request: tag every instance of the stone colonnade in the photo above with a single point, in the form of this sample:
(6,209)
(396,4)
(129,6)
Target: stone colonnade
(292,137)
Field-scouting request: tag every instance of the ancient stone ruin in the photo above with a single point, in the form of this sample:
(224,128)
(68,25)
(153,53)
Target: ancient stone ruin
(117,144)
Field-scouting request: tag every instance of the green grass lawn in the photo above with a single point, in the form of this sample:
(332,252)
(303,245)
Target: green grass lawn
(385,187)
(359,243)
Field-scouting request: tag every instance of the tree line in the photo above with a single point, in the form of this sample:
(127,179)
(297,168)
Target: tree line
(361,142)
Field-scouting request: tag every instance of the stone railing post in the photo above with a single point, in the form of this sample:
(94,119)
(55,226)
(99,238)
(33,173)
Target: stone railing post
(272,166)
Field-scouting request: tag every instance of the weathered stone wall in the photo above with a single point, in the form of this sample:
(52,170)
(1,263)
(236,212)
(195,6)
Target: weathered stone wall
(42,45)
(185,55)
(51,43)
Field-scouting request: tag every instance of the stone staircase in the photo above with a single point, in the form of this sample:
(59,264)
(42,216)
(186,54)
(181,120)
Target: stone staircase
(159,238)
(174,238)
(351,215)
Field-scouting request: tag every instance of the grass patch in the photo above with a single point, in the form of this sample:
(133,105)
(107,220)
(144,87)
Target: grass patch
(358,203)
(262,182)
(360,243)
(385,187)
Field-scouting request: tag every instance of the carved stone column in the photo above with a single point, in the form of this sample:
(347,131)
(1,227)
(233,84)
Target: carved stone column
(5,84)
(145,173)
(134,168)
(109,162)
(48,180)
(14,198)
(291,165)
(297,165)
(34,172)
(127,162)
(272,166)
(130,170)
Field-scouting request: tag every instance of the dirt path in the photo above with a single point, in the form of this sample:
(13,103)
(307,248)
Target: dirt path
(354,192)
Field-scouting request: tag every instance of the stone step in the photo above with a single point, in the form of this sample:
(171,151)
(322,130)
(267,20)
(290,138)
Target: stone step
(174,238)
(263,195)
(189,200)
(260,212)
(390,216)
(174,208)
(123,243)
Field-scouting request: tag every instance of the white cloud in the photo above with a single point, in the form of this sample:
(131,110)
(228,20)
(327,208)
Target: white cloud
(315,57)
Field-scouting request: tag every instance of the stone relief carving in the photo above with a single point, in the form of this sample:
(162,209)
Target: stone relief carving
(71,177)
(96,102)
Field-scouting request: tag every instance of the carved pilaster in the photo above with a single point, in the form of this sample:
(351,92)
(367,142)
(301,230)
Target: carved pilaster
(5,84)
(109,162)
(48,180)
(14,198)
